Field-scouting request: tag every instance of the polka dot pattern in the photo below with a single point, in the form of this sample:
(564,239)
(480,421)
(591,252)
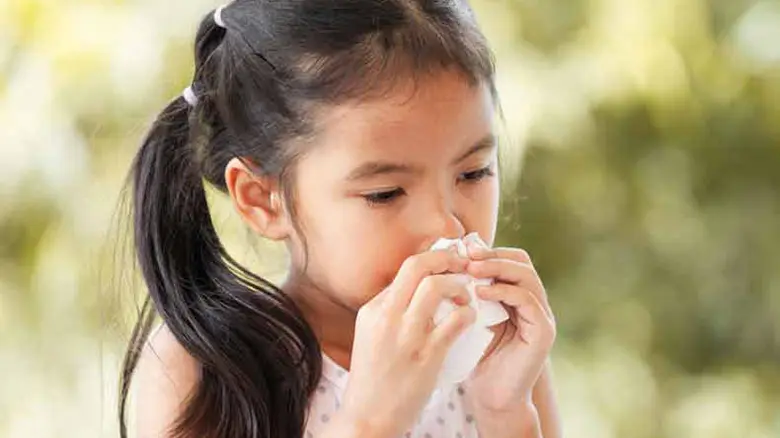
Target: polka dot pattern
(445,415)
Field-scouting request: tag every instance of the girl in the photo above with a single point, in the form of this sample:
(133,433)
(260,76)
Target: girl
(358,133)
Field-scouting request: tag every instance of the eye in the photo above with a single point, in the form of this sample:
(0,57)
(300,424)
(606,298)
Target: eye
(477,175)
(383,197)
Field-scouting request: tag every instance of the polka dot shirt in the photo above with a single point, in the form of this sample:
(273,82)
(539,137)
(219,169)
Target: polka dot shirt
(445,415)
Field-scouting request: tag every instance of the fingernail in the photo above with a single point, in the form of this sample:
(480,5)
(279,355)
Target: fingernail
(461,300)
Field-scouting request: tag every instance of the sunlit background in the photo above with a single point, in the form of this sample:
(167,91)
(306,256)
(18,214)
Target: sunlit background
(642,172)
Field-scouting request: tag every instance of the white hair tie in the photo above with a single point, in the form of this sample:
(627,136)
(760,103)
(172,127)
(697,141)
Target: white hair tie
(218,17)
(188,93)
(190,96)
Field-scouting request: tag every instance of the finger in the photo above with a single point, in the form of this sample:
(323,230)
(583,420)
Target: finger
(433,290)
(505,270)
(532,324)
(524,301)
(416,268)
(481,252)
(514,272)
(447,332)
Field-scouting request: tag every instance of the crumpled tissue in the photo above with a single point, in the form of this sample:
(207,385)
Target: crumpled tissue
(465,353)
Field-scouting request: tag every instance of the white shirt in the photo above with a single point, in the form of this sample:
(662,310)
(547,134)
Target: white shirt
(445,415)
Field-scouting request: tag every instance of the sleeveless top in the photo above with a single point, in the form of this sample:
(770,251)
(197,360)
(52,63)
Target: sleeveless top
(445,415)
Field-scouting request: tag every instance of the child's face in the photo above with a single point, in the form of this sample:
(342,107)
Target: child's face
(389,177)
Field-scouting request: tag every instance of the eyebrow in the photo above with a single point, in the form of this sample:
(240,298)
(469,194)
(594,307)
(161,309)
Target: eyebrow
(486,142)
(375,168)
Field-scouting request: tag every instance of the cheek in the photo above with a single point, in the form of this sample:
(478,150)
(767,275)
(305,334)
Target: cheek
(355,252)
(479,208)
(356,273)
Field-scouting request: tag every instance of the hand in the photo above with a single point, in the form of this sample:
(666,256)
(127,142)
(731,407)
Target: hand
(504,379)
(398,351)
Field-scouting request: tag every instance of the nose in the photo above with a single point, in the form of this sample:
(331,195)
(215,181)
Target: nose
(443,221)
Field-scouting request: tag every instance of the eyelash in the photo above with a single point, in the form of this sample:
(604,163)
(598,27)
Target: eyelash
(382,198)
(477,175)
(386,197)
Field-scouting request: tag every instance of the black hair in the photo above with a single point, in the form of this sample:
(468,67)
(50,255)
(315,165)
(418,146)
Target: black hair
(259,82)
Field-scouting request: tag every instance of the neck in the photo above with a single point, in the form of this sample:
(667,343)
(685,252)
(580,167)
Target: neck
(332,321)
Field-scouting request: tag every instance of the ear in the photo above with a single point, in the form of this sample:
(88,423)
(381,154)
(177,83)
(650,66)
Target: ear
(258,200)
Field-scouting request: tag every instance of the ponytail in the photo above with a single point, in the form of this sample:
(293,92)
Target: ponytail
(260,359)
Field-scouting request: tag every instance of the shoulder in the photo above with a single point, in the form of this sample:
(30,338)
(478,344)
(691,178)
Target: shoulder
(166,375)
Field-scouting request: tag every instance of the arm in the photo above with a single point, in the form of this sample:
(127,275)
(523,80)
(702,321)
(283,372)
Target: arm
(343,425)
(521,421)
(532,419)
(546,405)
(166,375)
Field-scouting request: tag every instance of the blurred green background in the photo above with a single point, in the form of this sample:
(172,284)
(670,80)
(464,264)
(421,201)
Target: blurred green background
(642,172)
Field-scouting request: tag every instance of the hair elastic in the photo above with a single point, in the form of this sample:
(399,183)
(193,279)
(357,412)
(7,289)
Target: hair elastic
(218,17)
(190,96)
(188,93)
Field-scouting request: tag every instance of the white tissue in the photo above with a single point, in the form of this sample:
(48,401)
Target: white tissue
(465,353)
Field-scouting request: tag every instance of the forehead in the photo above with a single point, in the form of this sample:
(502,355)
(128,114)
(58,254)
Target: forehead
(431,119)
